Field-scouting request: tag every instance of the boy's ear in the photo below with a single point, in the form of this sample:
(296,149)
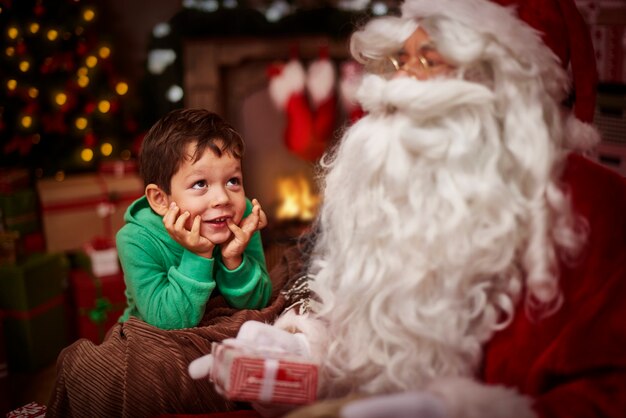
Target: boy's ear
(157,198)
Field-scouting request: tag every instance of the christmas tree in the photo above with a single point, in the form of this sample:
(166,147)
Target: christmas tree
(63,105)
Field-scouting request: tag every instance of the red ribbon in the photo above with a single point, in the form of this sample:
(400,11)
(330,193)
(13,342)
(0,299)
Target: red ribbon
(38,310)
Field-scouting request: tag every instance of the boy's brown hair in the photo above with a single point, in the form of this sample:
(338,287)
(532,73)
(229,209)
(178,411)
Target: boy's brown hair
(163,148)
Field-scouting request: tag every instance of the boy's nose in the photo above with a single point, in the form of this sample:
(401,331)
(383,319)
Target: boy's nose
(218,197)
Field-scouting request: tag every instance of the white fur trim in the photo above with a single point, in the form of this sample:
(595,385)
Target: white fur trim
(467,398)
(320,80)
(290,80)
(579,135)
(313,329)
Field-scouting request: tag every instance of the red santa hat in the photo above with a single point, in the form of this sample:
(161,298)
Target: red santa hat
(562,29)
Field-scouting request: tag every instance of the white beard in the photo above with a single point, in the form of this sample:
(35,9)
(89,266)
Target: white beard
(417,259)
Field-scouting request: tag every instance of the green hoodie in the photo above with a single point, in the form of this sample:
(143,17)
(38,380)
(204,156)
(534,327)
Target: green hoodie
(168,286)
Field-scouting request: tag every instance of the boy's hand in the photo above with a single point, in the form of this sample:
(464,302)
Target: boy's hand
(189,239)
(232,249)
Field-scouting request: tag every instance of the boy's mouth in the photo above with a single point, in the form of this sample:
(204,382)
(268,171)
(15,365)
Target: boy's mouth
(218,221)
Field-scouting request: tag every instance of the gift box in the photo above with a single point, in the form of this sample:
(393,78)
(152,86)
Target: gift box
(98,301)
(19,211)
(118,168)
(13,179)
(103,257)
(254,374)
(32,297)
(85,206)
(31,410)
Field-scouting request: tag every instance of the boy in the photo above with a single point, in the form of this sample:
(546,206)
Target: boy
(194,230)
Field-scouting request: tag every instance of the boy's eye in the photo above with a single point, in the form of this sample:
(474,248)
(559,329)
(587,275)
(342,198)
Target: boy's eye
(235,181)
(200,184)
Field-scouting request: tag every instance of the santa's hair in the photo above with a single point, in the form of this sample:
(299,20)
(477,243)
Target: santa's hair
(407,299)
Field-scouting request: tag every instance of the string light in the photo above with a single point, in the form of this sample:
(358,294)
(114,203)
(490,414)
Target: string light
(82,71)
(91,61)
(34,28)
(24,66)
(26,121)
(60,99)
(13,32)
(121,88)
(104,52)
(52,35)
(106,149)
(35,139)
(104,106)
(33,92)
(59,175)
(125,155)
(81,123)
(83,81)
(86,154)
(89,15)
(10,51)
(12,84)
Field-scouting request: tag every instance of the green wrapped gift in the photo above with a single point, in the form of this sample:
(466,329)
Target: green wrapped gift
(18,211)
(32,298)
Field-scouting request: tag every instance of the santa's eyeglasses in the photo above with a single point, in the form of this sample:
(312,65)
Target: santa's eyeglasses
(423,64)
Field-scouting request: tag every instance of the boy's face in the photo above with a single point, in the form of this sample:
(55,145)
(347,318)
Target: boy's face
(212,188)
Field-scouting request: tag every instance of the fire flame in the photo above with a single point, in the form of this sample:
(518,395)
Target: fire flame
(296,199)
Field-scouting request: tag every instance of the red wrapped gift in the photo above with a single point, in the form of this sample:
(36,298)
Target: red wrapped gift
(99,302)
(244,373)
(31,410)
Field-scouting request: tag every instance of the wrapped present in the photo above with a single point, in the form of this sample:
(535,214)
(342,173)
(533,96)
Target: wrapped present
(31,410)
(32,297)
(99,302)
(118,168)
(246,373)
(13,179)
(8,246)
(85,206)
(19,211)
(103,256)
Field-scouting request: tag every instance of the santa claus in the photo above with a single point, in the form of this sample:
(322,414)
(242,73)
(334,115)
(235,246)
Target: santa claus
(457,269)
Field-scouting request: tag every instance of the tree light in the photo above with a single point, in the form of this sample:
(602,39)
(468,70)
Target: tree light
(83,81)
(52,34)
(91,61)
(10,51)
(81,123)
(104,52)
(60,99)
(121,88)
(106,149)
(88,15)
(13,32)
(33,92)
(59,175)
(26,121)
(24,66)
(104,106)
(34,27)
(86,154)
(12,84)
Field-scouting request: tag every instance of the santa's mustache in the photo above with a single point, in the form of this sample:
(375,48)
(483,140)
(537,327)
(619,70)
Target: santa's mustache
(420,99)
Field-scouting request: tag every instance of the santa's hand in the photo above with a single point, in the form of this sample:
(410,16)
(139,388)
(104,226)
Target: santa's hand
(201,367)
(400,405)
(268,336)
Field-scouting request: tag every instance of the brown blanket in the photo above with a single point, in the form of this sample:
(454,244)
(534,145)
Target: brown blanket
(141,371)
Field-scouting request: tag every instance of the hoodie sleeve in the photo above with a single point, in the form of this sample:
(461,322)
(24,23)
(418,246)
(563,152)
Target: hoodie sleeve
(248,286)
(166,297)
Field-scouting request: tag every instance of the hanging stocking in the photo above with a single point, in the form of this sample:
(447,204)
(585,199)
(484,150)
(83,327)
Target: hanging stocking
(286,88)
(320,84)
(351,76)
